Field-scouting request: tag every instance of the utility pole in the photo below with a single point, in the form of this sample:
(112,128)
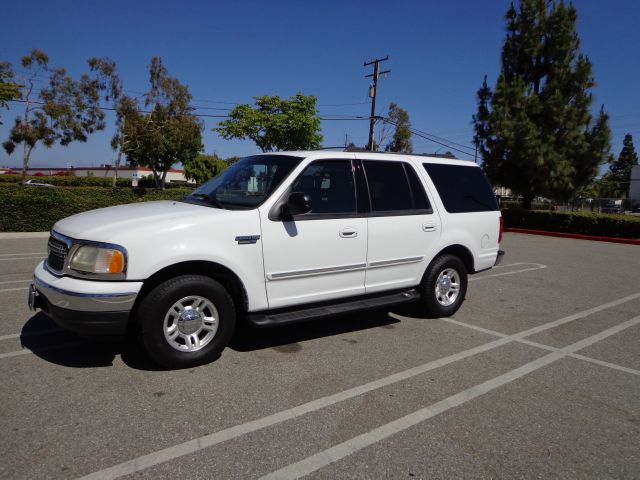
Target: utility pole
(372,93)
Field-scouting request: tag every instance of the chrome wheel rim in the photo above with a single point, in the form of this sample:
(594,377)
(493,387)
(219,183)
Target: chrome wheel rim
(447,287)
(191,323)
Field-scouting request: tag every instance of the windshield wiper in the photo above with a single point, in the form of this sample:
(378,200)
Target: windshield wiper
(209,199)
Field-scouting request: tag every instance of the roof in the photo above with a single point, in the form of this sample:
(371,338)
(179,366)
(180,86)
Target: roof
(388,156)
(75,169)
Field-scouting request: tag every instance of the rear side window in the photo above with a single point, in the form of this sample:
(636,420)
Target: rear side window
(388,186)
(462,189)
(420,200)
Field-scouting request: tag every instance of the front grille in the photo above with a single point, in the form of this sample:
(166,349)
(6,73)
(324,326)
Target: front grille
(57,253)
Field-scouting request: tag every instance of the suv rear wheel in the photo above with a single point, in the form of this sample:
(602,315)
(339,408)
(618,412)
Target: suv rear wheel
(444,286)
(186,321)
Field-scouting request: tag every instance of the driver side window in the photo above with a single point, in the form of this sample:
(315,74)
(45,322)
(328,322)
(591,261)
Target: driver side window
(330,186)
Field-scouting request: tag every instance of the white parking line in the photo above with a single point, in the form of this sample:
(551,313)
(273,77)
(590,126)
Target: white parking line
(197,444)
(15,281)
(344,449)
(537,266)
(602,363)
(27,351)
(516,264)
(30,334)
(20,258)
(13,289)
(544,347)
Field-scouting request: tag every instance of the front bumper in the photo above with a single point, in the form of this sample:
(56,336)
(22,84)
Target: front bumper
(84,306)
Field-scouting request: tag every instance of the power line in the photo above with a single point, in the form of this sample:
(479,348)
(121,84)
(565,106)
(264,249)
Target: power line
(444,139)
(342,104)
(420,134)
(204,115)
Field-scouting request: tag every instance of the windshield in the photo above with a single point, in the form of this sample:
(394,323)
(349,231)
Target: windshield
(247,183)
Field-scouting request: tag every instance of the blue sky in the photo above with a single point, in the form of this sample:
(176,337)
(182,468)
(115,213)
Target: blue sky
(228,52)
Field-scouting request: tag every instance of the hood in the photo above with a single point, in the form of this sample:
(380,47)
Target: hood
(112,224)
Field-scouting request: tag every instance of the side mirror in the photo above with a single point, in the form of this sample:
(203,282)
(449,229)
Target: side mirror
(298,203)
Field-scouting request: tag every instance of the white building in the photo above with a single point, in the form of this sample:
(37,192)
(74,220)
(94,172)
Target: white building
(106,171)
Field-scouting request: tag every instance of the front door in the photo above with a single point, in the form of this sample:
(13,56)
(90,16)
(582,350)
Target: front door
(319,255)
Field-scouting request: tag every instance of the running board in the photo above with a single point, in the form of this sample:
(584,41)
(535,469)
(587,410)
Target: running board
(273,318)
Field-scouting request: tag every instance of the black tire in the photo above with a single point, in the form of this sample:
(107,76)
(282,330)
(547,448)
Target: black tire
(155,306)
(430,298)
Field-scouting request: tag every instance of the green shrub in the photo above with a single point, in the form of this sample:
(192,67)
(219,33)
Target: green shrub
(584,223)
(71,181)
(33,209)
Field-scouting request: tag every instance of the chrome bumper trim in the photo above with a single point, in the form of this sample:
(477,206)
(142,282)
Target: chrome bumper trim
(86,302)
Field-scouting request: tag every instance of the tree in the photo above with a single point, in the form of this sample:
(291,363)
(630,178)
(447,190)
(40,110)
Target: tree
(620,169)
(123,106)
(535,130)
(607,187)
(231,160)
(65,111)
(401,140)
(275,124)
(203,167)
(166,135)
(9,90)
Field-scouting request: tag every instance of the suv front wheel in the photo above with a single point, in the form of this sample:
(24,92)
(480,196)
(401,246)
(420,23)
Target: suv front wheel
(186,321)
(444,286)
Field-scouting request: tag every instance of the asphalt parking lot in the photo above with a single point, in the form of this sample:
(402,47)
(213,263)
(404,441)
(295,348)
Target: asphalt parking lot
(537,375)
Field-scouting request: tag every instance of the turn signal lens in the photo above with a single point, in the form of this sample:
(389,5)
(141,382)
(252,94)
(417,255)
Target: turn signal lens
(117,262)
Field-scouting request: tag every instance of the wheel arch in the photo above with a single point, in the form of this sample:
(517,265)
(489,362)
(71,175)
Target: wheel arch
(225,276)
(460,251)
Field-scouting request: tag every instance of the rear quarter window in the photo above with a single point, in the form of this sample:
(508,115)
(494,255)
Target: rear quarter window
(462,189)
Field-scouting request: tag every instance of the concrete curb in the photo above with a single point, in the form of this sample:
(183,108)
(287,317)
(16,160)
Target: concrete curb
(628,241)
(14,235)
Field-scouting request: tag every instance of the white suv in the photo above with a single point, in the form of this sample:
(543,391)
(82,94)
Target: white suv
(274,239)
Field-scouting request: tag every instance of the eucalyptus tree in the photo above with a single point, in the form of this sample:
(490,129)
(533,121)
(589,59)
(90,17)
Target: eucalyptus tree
(166,132)
(121,104)
(9,89)
(65,110)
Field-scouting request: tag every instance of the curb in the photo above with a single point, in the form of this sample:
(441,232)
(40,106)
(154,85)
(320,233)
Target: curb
(14,235)
(628,241)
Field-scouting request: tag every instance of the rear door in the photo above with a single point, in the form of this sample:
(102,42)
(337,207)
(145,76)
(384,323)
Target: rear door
(470,209)
(403,229)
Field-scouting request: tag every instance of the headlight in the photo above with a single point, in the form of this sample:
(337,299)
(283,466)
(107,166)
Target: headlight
(90,259)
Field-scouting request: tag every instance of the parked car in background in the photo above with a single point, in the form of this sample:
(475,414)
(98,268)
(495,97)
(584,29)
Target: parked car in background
(274,239)
(37,183)
(612,206)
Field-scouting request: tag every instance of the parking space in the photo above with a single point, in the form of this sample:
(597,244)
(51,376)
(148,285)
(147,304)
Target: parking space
(538,374)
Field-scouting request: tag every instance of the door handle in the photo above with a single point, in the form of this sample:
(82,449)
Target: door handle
(348,232)
(428,227)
